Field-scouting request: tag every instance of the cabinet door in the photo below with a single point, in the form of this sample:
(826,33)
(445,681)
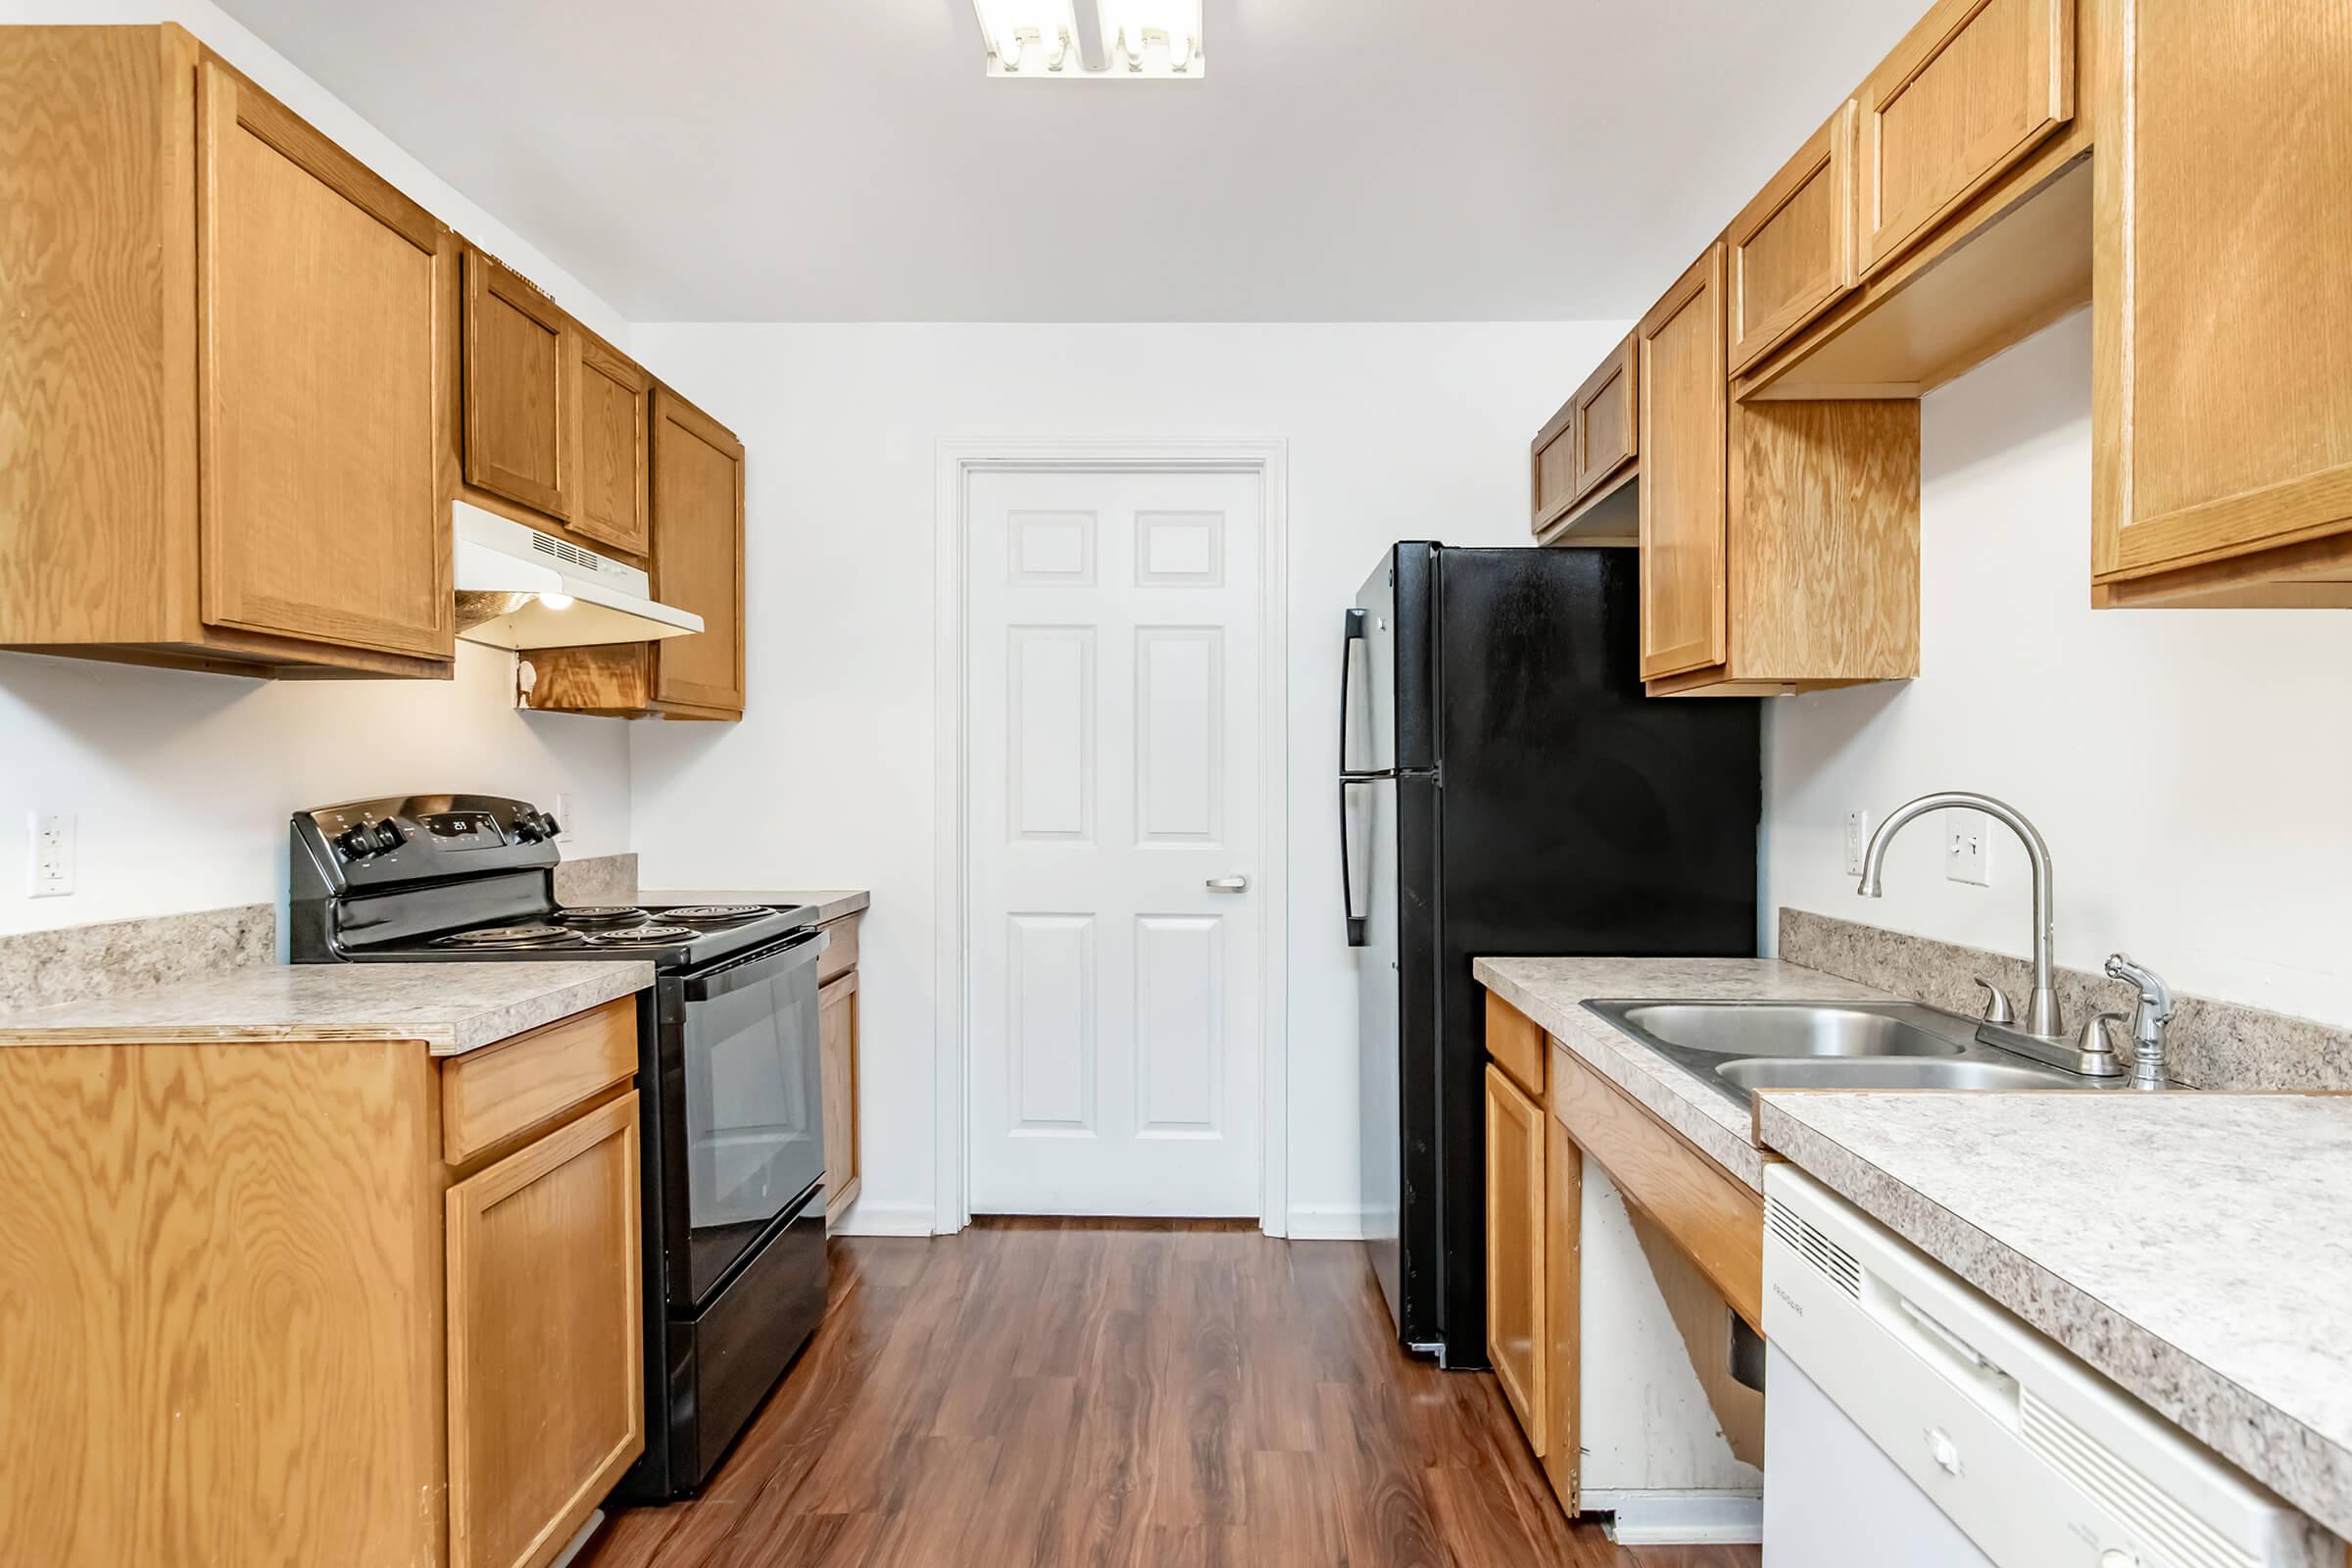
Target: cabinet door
(837,1047)
(1685,400)
(2223,396)
(1563,1310)
(546,1352)
(1793,250)
(324,302)
(698,554)
(1967,93)
(519,353)
(1605,424)
(1516,1341)
(1551,467)
(612,457)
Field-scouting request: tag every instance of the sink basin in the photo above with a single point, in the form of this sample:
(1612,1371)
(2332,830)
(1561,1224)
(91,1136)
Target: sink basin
(1892,1072)
(1784,1029)
(1740,1046)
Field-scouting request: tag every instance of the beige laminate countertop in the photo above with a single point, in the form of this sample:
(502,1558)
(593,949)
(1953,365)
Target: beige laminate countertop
(452,1007)
(1553,991)
(2196,1248)
(830,904)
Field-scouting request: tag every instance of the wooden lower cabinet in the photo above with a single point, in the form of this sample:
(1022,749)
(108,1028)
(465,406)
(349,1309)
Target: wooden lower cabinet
(1702,1228)
(259,1313)
(546,1339)
(837,1041)
(1516,1297)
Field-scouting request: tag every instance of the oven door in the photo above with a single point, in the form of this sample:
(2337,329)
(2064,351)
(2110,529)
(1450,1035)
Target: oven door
(752,1102)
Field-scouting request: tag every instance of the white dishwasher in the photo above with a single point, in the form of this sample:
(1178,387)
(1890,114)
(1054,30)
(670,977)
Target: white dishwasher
(1912,1423)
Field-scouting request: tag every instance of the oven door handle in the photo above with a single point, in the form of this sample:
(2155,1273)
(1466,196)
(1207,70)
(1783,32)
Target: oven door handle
(758,968)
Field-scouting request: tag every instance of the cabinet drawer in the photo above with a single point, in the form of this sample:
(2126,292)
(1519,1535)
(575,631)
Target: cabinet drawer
(1793,250)
(1964,96)
(488,1096)
(841,950)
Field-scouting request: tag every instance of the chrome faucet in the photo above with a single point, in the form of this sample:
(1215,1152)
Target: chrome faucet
(2155,1010)
(2042,1021)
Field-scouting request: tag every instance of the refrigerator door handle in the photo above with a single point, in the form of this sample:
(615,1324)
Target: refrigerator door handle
(1357,934)
(1355,635)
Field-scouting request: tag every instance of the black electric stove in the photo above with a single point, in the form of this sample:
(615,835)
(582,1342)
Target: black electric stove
(730,1099)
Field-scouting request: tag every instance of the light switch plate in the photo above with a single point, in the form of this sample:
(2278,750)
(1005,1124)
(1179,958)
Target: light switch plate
(565,814)
(1968,848)
(1857,839)
(50,874)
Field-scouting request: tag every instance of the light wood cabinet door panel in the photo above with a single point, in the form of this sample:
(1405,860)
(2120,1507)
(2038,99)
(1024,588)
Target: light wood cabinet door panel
(1685,398)
(545,1358)
(2222,395)
(519,352)
(1606,426)
(1551,461)
(324,302)
(1793,250)
(613,459)
(698,552)
(837,1051)
(1968,94)
(1563,1311)
(1516,1341)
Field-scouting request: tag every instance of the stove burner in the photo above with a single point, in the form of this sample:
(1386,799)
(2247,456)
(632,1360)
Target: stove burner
(715,914)
(505,936)
(641,934)
(602,914)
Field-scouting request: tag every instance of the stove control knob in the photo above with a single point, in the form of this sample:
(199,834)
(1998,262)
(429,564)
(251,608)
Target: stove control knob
(550,826)
(386,836)
(528,827)
(356,843)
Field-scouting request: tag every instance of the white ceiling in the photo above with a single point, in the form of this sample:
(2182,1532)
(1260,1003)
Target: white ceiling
(1344,160)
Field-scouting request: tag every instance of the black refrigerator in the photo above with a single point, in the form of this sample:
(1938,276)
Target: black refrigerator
(1506,789)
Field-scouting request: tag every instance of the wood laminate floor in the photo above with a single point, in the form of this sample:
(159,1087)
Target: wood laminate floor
(1140,1393)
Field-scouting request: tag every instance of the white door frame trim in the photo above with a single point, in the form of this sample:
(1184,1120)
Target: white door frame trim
(959,461)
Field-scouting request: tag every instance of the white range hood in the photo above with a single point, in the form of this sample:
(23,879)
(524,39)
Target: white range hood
(521,588)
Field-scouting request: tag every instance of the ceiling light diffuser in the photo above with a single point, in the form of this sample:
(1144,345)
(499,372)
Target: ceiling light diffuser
(1152,37)
(1034,38)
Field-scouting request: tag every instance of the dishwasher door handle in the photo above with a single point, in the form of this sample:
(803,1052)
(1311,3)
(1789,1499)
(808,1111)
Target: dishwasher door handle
(1228,884)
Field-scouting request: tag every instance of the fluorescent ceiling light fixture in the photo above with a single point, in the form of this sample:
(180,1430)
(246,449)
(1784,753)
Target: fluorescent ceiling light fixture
(1030,37)
(1152,37)
(1040,40)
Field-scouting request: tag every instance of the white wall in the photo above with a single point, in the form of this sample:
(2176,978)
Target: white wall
(2187,766)
(1393,432)
(180,782)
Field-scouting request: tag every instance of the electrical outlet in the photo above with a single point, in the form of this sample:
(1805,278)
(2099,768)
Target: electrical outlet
(1968,848)
(567,817)
(51,873)
(1857,838)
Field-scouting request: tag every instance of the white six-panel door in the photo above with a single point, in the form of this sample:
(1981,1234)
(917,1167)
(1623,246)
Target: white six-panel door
(1112,639)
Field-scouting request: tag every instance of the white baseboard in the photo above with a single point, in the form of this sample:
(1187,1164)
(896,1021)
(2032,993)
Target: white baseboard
(1337,1222)
(866,1217)
(1648,1518)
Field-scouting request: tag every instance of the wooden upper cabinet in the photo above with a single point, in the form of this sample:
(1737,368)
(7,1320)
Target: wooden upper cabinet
(2222,383)
(1516,1339)
(1607,428)
(520,359)
(698,555)
(1968,94)
(322,297)
(1793,250)
(613,446)
(1551,465)
(1684,400)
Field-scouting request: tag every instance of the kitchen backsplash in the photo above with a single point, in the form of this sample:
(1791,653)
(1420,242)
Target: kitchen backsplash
(77,962)
(2211,1045)
(599,879)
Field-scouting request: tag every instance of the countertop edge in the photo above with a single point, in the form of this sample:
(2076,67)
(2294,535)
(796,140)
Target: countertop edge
(830,904)
(488,1025)
(2217,1412)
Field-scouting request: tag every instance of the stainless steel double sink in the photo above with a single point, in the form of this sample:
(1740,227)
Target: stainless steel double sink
(1741,1046)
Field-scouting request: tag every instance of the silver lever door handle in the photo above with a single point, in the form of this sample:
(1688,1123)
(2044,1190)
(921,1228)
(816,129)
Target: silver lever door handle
(1228,884)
